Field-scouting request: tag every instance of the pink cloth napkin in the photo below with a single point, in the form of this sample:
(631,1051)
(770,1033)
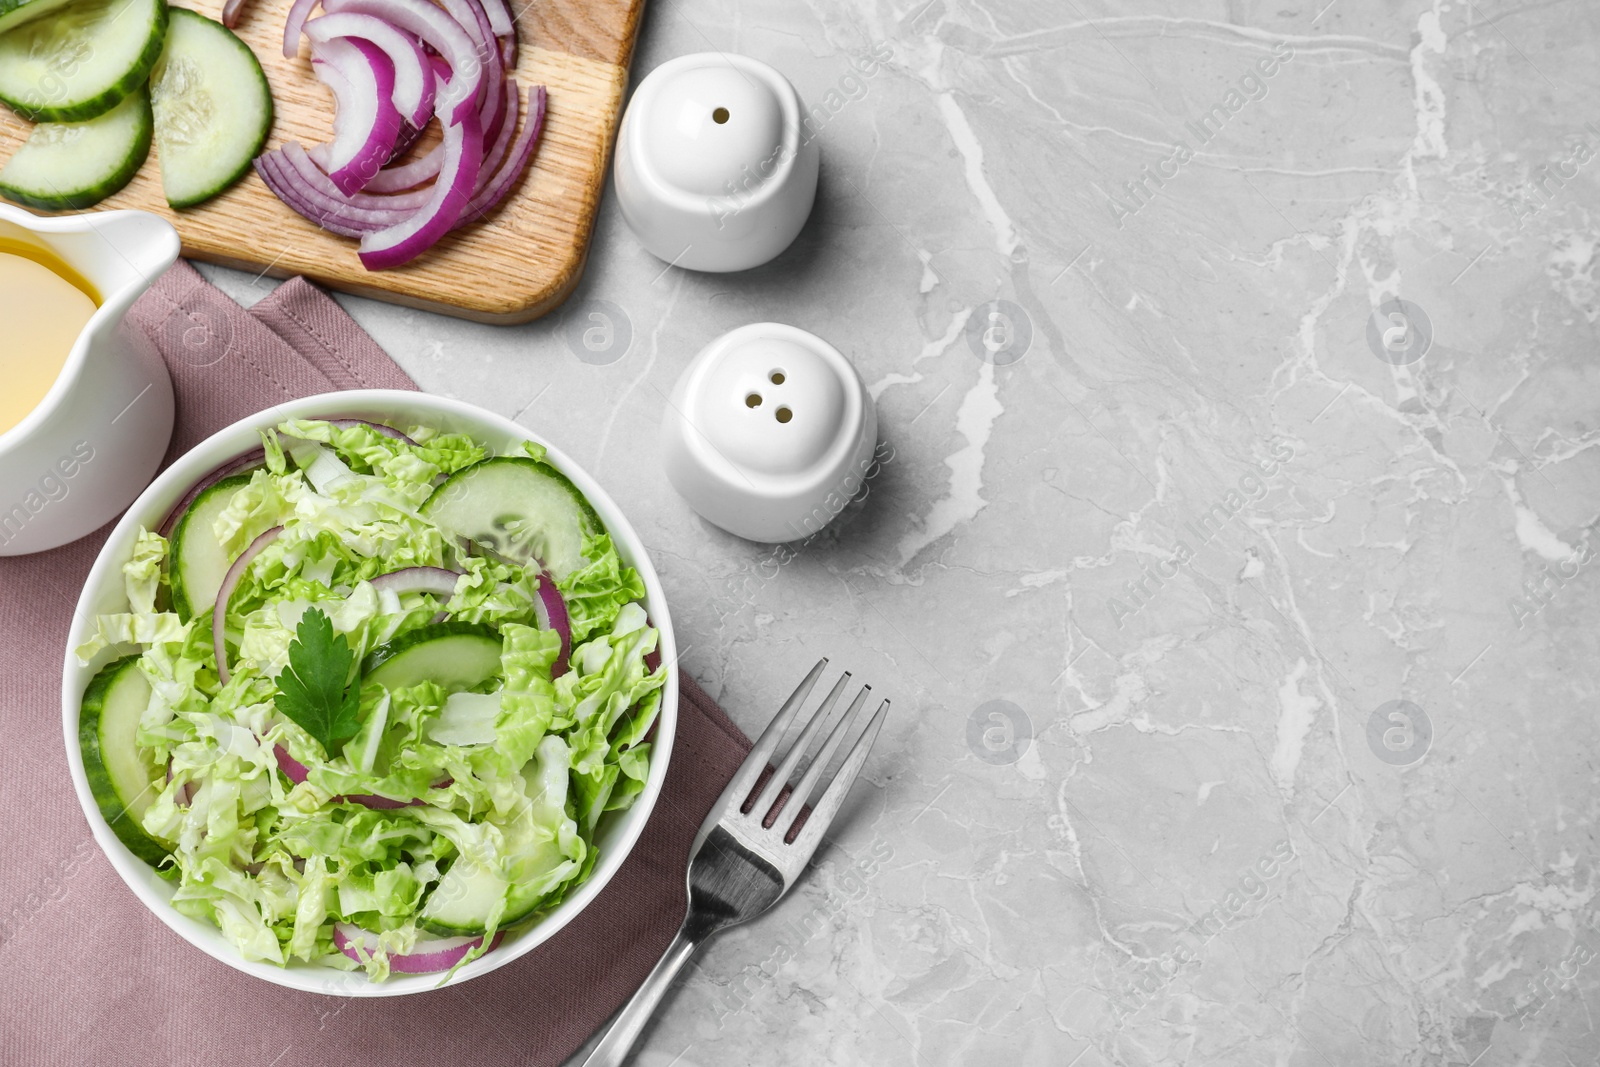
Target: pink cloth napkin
(89,976)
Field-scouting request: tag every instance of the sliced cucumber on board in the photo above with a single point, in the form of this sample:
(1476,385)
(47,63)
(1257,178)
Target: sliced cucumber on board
(199,564)
(518,507)
(80,60)
(124,785)
(213,109)
(456,656)
(68,165)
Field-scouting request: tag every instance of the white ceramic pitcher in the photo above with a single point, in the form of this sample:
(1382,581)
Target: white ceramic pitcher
(95,440)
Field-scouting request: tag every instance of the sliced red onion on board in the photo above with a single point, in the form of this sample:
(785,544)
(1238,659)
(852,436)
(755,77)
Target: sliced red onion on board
(521,154)
(496,155)
(305,168)
(408,175)
(436,580)
(409,136)
(298,196)
(463,157)
(470,15)
(428,955)
(500,20)
(387,431)
(458,97)
(413,81)
(470,47)
(365,121)
(298,13)
(234,466)
(231,10)
(230,582)
(551,612)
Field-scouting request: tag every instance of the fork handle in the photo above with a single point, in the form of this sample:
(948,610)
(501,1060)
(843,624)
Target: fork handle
(612,1051)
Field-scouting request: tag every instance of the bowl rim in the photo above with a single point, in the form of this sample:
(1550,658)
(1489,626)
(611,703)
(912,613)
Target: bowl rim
(151,506)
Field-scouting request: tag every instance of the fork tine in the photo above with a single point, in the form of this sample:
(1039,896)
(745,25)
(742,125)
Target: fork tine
(818,765)
(821,817)
(738,790)
(780,777)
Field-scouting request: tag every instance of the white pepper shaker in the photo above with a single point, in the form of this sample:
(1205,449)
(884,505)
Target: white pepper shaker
(770,432)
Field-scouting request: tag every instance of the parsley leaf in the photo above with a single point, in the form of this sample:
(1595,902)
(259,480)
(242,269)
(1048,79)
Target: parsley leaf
(311,689)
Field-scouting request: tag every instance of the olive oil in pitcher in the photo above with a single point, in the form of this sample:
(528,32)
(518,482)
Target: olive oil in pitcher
(44,306)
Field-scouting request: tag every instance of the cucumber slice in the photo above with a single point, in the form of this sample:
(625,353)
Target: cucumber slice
(82,60)
(123,783)
(69,165)
(213,109)
(454,655)
(518,507)
(14,13)
(464,898)
(538,869)
(199,563)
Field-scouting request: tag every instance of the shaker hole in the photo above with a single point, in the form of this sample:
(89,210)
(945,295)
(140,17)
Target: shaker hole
(776,377)
(753,400)
(719,116)
(784,414)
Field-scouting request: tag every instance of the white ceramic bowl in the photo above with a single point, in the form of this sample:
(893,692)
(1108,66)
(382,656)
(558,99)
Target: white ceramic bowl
(103,592)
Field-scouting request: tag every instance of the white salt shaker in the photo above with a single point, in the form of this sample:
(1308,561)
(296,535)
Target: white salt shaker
(770,433)
(714,169)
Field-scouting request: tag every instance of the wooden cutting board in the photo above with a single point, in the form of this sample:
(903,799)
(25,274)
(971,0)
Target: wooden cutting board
(517,264)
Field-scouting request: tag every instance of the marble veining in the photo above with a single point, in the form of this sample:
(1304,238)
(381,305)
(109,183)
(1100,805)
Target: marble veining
(1227,555)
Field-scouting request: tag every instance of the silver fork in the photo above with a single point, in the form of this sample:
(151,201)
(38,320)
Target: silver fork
(744,859)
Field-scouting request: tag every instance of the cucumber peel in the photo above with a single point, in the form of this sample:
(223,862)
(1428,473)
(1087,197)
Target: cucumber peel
(79,61)
(123,784)
(68,165)
(457,656)
(213,109)
(518,507)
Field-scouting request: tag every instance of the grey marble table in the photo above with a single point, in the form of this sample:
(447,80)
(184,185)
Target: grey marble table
(1228,562)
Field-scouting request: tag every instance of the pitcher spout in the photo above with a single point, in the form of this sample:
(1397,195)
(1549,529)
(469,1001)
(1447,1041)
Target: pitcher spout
(134,247)
(120,253)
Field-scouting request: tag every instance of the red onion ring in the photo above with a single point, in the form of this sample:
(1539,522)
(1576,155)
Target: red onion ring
(230,582)
(298,13)
(413,88)
(299,197)
(551,612)
(500,20)
(366,123)
(521,155)
(458,174)
(234,466)
(387,431)
(435,580)
(502,141)
(444,34)
(426,957)
(300,161)
(296,772)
